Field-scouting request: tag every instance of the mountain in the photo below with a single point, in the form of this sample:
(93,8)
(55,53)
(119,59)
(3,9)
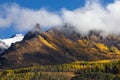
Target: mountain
(6,43)
(60,45)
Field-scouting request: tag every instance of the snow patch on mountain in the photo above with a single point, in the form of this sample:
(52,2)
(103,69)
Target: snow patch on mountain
(3,47)
(16,38)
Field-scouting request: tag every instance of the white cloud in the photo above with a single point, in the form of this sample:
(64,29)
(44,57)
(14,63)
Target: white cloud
(92,16)
(24,18)
(95,16)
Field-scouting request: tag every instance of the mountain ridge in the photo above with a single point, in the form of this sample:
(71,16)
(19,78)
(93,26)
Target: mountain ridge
(56,47)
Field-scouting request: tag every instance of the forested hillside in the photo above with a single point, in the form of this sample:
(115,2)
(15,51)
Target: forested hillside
(104,70)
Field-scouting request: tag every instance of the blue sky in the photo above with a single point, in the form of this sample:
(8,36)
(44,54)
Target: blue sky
(51,5)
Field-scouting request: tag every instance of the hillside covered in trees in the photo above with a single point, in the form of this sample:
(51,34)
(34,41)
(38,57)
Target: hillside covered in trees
(104,70)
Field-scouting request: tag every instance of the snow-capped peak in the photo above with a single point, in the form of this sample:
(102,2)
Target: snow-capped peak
(15,38)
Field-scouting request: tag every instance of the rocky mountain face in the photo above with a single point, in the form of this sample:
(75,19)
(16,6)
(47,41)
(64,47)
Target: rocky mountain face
(58,46)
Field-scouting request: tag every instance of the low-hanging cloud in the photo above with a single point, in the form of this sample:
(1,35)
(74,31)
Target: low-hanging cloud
(93,16)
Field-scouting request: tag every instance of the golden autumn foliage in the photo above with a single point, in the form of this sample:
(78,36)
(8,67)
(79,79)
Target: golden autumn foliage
(102,47)
(92,50)
(83,42)
(47,43)
(62,71)
(115,50)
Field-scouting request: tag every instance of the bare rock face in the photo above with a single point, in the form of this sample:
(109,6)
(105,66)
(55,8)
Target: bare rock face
(33,33)
(56,46)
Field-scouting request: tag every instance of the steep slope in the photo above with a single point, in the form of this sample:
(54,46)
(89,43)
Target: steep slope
(58,46)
